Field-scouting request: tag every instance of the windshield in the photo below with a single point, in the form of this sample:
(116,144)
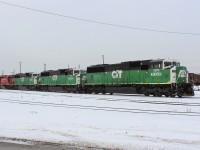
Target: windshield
(167,64)
(76,71)
(171,64)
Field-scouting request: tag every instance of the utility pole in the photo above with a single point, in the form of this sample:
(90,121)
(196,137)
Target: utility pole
(45,66)
(20,67)
(103,58)
(3,72)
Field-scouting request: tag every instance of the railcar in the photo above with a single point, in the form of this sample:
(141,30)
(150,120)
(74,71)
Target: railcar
(6,81)
(62,80)
(148,77)
(194,78)
(25,81)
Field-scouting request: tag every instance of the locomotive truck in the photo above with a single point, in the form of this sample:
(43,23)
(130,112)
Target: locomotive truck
(149,77)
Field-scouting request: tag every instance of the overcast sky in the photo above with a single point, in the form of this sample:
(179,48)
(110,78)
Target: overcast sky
(35,38)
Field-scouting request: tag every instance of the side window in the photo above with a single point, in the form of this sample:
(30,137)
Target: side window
(167,64)
(157,65)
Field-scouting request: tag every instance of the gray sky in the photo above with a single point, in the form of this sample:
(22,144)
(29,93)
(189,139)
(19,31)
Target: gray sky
(34,38)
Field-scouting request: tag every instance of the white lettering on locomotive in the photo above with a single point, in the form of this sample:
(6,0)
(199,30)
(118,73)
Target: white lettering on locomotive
(22,79)
(70,77)
(182,74)
(54,77)
(157,74)
(117,74)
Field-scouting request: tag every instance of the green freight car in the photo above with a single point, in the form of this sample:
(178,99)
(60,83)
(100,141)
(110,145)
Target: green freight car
(62,80)
(148,77)
(26,81)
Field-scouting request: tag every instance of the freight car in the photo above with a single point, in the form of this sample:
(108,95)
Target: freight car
(6,81)
(194,78)
(148,77)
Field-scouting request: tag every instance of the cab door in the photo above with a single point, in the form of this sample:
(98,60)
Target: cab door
(78,79)
(173,74)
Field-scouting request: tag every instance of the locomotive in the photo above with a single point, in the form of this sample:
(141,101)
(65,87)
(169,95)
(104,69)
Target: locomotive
(149,77)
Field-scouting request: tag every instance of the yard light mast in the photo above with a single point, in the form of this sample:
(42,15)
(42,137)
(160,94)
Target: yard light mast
(103,59)
(45,66)
(20,67)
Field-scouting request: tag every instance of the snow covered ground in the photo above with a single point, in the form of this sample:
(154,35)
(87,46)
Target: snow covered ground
(196,88)
(105,121)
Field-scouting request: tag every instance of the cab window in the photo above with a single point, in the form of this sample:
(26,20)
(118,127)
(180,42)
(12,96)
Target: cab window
(166,64)
(156,66)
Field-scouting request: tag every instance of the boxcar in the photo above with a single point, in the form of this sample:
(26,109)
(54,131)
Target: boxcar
(6,81)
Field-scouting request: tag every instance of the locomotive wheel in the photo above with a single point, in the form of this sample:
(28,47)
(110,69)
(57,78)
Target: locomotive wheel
(146,93)
(172,95)
(158,93)
(166,95)
(179,94)
(103,91)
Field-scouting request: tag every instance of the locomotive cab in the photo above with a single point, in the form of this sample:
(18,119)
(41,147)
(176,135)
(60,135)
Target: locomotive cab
(169,75)
(170,63)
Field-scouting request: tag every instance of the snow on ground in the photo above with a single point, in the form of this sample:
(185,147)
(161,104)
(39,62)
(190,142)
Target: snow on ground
(196,88)
(105,121)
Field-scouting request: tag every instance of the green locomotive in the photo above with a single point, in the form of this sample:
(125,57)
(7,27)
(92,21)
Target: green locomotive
(148,77)
(62,80)
(25,81)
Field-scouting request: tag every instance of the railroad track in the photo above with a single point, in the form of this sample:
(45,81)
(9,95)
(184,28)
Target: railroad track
(114,109)
(114,99)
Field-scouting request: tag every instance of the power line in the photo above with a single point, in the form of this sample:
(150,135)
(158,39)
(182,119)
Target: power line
(99,22)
